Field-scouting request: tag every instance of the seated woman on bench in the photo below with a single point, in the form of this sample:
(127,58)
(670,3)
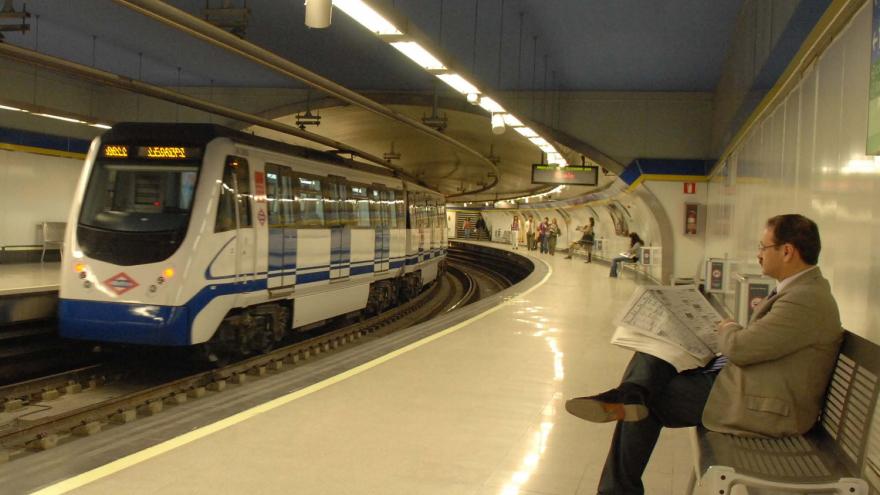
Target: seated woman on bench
(630,256)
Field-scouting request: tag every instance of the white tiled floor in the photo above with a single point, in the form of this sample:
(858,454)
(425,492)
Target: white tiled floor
(478,411)
(29,277)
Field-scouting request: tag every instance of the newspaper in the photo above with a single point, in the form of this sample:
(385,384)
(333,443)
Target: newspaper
(674,323)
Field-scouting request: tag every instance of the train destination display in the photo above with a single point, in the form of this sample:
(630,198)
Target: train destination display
(581,175)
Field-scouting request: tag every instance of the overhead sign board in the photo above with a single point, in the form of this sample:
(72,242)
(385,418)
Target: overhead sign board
(578,175)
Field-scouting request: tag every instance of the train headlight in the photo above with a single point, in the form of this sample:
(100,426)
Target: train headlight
(79,267)
(168,273)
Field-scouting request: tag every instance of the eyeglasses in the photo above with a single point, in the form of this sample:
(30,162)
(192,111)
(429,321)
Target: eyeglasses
(762,247)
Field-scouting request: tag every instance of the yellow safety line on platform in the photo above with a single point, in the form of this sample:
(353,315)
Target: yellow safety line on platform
(168,445)
(41,151)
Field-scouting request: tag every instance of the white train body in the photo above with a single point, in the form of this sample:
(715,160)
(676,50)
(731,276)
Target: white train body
(178,228)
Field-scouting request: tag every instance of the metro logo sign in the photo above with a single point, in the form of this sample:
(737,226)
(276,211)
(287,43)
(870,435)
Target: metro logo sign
(120,283)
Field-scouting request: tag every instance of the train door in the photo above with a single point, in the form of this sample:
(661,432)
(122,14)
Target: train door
(380,213)
(282,234)
(337,216)
(234,213)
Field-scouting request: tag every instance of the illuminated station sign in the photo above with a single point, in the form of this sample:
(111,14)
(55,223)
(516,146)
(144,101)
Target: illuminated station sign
(577,175)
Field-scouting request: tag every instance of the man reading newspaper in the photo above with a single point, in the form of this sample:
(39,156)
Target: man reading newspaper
(776,371)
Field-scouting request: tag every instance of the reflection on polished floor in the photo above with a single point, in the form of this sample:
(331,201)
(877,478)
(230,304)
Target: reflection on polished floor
(478,411)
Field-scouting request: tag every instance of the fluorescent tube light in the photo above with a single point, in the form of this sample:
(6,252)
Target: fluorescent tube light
(100,126)
(512,121)
(419,55)
(458,83)
(4,107)
(539,141)
(364,15)
(547,148)
(58,117)
(526,132)
(490,105)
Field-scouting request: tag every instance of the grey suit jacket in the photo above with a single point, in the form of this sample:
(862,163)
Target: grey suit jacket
(779,365)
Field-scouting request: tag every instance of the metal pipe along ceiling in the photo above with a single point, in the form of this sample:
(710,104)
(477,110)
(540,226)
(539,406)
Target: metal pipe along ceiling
(206,31)
(110,79)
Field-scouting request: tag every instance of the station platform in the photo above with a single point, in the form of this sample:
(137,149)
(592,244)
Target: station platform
(26,278)
(476,407)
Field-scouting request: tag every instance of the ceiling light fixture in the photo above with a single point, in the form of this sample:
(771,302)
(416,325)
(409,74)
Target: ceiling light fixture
(526,132)
(366,17)
(458,83)
(419,55)
(490,105)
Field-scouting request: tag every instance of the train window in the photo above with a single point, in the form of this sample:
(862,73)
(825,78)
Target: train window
(234,196)
(361,204)
(337,211)
(137,197)
(394,214)
(308,201)
(279,195)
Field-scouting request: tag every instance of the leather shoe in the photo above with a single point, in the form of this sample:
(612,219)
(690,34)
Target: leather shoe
(625,403)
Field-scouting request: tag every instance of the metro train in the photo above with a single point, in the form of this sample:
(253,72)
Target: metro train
(200,235)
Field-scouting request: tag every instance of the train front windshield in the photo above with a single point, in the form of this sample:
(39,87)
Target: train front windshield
(138,202)
(139,198)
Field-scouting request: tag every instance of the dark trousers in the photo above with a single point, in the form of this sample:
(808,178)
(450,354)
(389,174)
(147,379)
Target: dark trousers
(675,400)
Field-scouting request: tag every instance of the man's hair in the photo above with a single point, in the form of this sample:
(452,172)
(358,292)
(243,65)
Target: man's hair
(800,232)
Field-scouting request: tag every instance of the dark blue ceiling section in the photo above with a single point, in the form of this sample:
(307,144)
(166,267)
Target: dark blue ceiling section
(622,45)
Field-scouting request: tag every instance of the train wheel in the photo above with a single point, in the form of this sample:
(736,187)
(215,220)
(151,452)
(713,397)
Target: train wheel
(263,339)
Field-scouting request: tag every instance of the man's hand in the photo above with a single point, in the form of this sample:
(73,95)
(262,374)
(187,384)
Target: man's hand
(723,324)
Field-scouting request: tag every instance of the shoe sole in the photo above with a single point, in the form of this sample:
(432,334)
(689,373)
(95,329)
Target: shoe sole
(603,412)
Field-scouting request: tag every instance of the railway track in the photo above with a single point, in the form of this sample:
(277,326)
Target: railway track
(103,395)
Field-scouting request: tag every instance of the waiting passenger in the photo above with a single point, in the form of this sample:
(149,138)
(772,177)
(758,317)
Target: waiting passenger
(630,256)
(541,236)
(552,234)
(514,232)
(772,385)
(530,232)
(586,241)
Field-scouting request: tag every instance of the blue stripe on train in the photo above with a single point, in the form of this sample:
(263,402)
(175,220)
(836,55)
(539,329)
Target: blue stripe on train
(167,325)
(141,323)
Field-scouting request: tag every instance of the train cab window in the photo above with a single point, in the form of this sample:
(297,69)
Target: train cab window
(137,197)
(235,194)
(308,202)
(361,204)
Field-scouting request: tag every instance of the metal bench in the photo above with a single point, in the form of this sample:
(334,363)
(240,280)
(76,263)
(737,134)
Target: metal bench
(841,454)
(52,236)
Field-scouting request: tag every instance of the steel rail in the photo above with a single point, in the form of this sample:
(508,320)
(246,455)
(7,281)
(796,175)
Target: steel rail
(201,29)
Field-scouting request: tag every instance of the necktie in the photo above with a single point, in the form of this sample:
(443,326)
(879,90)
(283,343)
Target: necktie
(716,364)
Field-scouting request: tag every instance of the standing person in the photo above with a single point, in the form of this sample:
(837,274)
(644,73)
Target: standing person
(541,235)
(481,226)
(466,226)
(588,238)
(631,255)
(514,232)
(553,232)
(530,233)
(774,379)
